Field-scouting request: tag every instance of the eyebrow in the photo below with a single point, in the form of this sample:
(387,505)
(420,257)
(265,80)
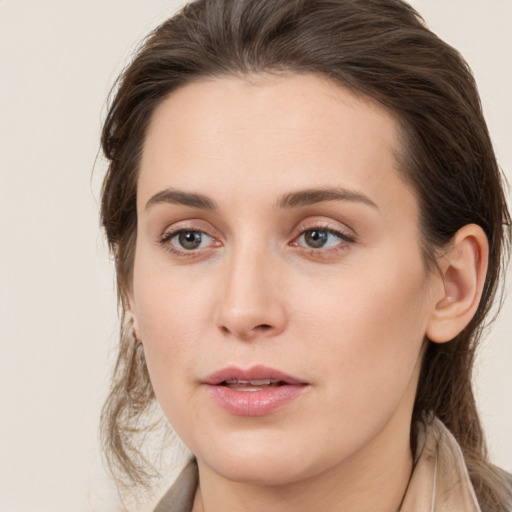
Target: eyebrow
(173,196)
(297,199)
(317,195)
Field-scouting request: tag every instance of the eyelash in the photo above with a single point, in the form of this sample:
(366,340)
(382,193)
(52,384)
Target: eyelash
(166,242)
(345,240)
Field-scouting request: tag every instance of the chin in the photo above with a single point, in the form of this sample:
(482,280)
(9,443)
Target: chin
(264,471)
(263,461)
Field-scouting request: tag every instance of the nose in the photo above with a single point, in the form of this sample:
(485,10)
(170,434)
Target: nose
(252,304)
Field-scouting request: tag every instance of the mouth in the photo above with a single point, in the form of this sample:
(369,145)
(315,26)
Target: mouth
(255,377)
(258,391)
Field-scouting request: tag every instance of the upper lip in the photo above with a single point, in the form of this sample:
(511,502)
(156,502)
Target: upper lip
(253,373)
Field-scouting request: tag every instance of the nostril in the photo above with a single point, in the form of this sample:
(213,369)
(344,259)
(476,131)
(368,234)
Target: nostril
(246,330)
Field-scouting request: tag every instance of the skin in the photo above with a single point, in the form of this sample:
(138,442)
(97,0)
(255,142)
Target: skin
(350,318)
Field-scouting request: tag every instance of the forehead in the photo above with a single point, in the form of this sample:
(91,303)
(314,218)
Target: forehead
(273,133)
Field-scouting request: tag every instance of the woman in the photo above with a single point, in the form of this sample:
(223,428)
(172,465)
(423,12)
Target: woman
(309,225)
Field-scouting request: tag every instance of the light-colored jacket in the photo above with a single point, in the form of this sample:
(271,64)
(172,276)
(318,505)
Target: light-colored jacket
(439,481)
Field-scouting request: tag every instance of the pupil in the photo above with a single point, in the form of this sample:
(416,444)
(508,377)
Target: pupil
(316,238)
(190,239)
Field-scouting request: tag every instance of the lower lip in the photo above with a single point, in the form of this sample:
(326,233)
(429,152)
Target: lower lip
(254,403)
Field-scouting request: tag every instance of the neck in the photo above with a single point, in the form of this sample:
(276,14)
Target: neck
(373,479)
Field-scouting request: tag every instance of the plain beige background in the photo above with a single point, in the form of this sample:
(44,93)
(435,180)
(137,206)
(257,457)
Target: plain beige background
(58,325)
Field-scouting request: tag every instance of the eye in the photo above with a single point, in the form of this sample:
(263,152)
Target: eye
(322,238)
(187,240)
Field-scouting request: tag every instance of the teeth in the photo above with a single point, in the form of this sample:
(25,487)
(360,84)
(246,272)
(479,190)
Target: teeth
(264,382)
(261,382)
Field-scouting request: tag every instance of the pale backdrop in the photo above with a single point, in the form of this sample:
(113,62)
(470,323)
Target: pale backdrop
(58,315)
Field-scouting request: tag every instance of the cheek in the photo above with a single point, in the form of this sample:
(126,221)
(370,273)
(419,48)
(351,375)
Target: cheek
(170,314)
(367,334)
(166,301)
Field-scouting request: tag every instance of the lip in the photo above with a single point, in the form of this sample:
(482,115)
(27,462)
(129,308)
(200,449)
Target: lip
(253,403)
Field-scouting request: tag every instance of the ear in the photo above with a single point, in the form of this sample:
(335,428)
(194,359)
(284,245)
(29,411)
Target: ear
(463,268)
(130,308)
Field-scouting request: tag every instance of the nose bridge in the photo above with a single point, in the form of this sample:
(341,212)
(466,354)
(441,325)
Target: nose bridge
(250,304)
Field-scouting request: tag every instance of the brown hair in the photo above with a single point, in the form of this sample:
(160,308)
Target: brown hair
(378,48)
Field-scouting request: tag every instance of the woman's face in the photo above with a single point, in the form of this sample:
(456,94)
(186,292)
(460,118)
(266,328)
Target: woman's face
(279,289)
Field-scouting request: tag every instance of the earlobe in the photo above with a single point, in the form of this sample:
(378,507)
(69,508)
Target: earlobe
(464,268)
(136,331)
(132,317)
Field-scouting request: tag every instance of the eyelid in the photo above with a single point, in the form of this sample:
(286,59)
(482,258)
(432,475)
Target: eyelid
(189,224)
(325,224)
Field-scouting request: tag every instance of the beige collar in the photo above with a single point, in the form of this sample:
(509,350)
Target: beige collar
(440,480)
